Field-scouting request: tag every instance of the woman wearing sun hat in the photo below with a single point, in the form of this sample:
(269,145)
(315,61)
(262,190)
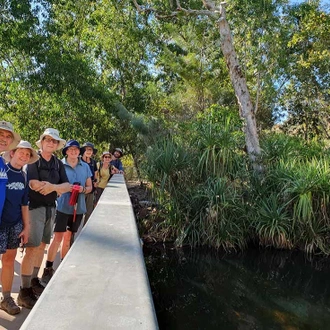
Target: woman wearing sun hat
(68,218)
(103,174)
(15,224)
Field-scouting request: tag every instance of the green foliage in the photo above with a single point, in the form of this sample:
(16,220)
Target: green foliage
(210,197)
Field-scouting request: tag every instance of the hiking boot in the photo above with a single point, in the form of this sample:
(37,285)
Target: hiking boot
(37,287)
(26,298)
(8,304)
(47,275)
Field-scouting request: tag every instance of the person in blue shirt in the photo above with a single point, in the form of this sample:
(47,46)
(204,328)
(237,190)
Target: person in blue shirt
(15,226)
(68,217)
(116,162)
(8,141)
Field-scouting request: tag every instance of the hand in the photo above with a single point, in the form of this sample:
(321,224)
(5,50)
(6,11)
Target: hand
(24,235)
(46,188)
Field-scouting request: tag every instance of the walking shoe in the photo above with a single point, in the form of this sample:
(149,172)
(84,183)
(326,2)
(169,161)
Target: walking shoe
(8,304)
(26,298)
(37,287)
(47,275)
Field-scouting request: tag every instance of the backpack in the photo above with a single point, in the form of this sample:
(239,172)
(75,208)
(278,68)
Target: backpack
(56,162)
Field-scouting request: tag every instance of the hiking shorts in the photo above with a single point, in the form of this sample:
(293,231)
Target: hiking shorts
(41,225)
(9,237)
(65,222)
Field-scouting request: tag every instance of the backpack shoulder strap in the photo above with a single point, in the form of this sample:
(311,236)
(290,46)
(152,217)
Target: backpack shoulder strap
(99,166)
(24,173)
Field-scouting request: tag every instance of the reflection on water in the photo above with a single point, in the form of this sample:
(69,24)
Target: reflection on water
(198,289)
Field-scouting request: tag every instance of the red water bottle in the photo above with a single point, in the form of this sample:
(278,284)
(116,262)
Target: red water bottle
(74,194)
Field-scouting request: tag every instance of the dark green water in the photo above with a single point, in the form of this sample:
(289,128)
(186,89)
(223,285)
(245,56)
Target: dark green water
(198,289)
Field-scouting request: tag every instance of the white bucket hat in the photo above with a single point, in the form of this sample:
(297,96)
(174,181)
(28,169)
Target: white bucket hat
(5,125)
(23,145)
(54,134)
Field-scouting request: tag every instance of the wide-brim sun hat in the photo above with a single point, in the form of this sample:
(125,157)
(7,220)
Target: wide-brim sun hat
(23,145)
(5,125)
(105,153)
(70,143)
(120,151)
(54,134)
(88,144)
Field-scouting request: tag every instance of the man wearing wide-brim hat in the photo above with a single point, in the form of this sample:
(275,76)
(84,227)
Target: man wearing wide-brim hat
(8,140)
(116,162)
(15,225)
(48,179)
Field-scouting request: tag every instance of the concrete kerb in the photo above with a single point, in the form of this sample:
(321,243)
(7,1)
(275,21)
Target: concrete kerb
(102,283)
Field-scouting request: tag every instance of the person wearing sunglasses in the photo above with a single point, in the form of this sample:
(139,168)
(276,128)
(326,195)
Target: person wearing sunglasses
(47,180)
(103,174)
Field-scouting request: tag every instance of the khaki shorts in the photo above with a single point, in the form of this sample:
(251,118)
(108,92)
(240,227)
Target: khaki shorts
(41,225)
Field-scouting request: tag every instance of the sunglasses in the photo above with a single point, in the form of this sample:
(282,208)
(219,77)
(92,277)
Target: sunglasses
(106,157)
(48,140)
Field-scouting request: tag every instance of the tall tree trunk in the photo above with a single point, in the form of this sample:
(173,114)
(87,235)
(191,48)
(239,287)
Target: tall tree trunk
(241,89)
(235,72)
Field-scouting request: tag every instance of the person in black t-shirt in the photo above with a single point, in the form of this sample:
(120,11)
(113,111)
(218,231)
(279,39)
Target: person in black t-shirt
(48,179)
(87,151)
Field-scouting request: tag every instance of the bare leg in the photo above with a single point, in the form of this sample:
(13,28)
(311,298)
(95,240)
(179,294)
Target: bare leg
(66,243)
(7,274)
(28,261)
(39,255)
(53,248)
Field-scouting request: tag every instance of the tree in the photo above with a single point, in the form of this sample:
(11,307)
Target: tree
(235,71)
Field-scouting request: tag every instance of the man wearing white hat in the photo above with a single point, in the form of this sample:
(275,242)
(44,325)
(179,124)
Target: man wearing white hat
(15,226)
(8,140)
(47,180)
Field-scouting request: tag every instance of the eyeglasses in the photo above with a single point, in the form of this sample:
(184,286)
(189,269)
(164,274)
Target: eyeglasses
(106,157)
(48,140)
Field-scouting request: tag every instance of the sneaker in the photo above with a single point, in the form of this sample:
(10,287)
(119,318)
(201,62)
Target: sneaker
(47,275)
(8,304)
(37,287)
(26,298)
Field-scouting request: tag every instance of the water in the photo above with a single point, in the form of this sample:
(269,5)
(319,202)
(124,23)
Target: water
(198,289)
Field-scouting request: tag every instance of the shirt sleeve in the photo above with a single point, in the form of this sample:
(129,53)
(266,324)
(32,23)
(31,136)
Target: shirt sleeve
(120,166)
(25,199)
(32,170)
(63,176)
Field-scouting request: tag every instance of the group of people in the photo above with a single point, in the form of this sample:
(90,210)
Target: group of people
(43,197)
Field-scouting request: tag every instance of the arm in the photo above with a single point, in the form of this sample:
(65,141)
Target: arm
(120,167)
(24,235)
(88,187)
(46,187)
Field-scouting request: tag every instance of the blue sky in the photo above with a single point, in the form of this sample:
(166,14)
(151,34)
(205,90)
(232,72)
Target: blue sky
(323,2)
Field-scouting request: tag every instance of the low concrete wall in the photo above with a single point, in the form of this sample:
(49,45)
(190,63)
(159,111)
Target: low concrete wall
(102,282)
